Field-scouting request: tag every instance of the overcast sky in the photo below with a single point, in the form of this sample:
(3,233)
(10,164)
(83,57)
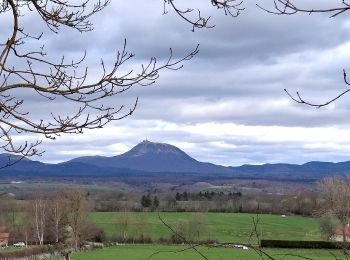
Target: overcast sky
(227,105)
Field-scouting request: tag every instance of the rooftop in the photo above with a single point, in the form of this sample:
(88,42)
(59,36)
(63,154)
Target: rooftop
(346,230)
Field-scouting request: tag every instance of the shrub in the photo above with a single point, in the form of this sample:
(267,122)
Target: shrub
(27,252)
(303,244)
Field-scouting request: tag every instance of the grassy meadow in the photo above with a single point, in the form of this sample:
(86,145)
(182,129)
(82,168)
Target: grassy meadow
(159,252)
(223,227)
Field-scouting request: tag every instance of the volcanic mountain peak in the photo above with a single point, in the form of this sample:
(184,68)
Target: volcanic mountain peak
(147,147)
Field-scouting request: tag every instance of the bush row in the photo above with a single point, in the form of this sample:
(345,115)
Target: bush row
(303,244)
(35,250)
(162,240)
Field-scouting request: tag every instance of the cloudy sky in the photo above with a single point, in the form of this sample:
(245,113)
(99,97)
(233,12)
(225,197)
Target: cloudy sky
(227,105)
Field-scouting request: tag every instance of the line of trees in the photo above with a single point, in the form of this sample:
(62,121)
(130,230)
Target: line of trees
(61,218)
(303,202)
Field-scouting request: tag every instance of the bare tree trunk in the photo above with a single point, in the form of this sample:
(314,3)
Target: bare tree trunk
(57,220)
(57,213)
(26,235)
(65,255)
(78,214)
(345,251)
(39,215)
(76,238)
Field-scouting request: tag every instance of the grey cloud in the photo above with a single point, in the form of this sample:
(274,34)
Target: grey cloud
(238,77)
(150,33)
(233,39)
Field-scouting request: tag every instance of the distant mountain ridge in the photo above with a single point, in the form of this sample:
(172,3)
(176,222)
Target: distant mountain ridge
(160,159)
(154,157)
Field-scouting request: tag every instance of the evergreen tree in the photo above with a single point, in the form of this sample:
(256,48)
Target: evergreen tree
(155,202)
(143,201)
(146,201)
(185,196)
(177,196)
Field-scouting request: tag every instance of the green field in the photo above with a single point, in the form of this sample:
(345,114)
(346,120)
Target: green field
(143,252)
(223,227)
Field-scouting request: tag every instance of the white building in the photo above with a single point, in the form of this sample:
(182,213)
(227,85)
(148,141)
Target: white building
(340,232)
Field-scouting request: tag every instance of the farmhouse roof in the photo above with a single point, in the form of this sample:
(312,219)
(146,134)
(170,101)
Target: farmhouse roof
(346,230)
(4,235)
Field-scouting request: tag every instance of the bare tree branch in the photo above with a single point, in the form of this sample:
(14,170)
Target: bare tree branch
(288,7)
(64,79)
(230,7)
(299,99)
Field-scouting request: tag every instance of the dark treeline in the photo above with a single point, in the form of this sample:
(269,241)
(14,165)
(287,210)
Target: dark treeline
(301,203)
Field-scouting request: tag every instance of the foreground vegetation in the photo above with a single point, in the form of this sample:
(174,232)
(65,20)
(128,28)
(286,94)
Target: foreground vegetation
(157,252)
(164,222)
(222,227)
